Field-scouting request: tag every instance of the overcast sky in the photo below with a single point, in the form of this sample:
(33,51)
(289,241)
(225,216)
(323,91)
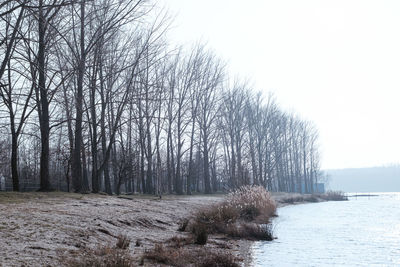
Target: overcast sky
(336,63)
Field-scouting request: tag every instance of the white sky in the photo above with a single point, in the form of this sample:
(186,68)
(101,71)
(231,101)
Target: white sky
(336,63)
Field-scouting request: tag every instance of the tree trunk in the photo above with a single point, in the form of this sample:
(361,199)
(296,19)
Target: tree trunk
(44,106)
(178,180)
(207,186)
(95,175)
(149,174)
(76,157)
(190,175)
(14,162)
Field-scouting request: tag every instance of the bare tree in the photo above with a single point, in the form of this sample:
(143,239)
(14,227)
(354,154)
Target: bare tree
(212,75)
(119,109)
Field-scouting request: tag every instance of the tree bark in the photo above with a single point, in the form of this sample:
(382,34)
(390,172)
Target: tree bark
(76,157)
(44,106)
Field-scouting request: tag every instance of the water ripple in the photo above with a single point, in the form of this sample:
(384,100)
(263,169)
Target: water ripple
(359,232)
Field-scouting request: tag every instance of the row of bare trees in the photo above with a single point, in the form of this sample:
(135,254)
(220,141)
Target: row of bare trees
(93,99)
(264,145)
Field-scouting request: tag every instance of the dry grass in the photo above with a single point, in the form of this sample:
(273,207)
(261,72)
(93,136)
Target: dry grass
(21,197)
(252,202)
(299,199)
(179,241)
(102,257)
(168,255)
(251,231)
(328,196)
(71,223)
(105,256)
(181,256)
(218,260)
(123,242)
(334,196)
(247,204)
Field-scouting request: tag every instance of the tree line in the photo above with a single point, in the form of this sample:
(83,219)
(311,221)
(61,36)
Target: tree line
(94,99)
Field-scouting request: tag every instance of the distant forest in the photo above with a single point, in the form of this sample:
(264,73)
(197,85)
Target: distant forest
(93,98)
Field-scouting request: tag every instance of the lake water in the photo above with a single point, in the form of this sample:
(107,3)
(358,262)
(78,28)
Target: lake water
(359,232)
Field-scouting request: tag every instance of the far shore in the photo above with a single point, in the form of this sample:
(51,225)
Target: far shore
(41,229)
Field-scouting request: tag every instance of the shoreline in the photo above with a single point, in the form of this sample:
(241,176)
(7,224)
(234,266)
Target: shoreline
(39,229)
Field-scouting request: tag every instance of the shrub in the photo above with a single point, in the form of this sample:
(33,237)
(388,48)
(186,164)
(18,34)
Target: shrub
(201,237)
(183,224)
(250,212)
(123,242)
(252,202)
(256,231)
(200,233)
(247,204)
(250,231)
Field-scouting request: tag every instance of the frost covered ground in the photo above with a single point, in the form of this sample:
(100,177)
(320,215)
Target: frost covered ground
(49,229)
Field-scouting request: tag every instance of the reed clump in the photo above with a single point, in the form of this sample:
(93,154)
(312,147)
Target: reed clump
(251,231)
(232,216)
(244,214)
(334,196)
(300,198)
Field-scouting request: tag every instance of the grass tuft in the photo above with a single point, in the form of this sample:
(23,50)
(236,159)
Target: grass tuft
(198,256)
(200,234)
(178,241)
(170,256)
(103,257)
(123,242)
(219,260)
